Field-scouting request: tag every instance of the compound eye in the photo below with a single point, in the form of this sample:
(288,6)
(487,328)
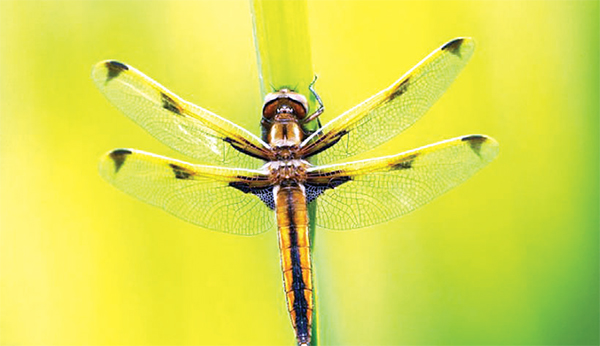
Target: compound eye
(269,110)
(299,110)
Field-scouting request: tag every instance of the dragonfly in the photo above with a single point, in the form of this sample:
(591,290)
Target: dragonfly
(246,185)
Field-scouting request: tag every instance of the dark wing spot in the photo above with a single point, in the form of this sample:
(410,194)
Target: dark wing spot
(181,172)
(337,181)
(240,146)
(244,187)
(114,69)
(119,156)
(475,141)
(314,189)
(454,46)
(169,104)
(265,193)
(330,141)
(406,163)
(400,89)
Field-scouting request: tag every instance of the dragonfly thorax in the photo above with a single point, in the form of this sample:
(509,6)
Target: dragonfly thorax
(286,134)
(282,113)
(285,172)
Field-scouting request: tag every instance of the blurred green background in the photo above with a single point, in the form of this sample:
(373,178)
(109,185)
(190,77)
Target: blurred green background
(510,257)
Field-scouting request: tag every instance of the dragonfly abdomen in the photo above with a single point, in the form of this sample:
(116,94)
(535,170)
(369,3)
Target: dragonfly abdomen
(294,245)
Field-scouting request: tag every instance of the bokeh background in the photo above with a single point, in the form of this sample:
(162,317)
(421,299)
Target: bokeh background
(508,258)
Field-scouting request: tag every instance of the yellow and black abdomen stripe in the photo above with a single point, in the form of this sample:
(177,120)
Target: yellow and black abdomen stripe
(294,245)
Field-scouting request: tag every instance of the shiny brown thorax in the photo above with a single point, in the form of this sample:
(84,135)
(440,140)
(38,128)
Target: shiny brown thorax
(283,114)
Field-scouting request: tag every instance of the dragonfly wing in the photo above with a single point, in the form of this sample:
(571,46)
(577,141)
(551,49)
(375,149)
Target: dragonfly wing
(391,111)
(236,201)
(364,193)
(185,127)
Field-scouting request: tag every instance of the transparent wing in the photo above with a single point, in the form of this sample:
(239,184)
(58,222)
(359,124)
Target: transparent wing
(183,126)
(364,193)
(391,111)
(217,198)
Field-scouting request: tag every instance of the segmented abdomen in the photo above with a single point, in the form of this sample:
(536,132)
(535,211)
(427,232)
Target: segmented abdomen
(294,245)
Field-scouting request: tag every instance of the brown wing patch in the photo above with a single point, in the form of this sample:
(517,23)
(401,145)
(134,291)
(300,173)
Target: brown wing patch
(119,156)
(114,69)
(400,89)
(259,187)
(171,105)
(318,183)
(406,163)
(241,145)
(475,141)
(454,46)
(181,172)
(327,141)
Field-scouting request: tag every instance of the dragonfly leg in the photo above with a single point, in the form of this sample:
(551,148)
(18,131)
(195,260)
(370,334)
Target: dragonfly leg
(321,108)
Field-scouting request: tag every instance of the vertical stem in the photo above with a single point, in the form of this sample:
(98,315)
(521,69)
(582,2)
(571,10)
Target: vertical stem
(282,42)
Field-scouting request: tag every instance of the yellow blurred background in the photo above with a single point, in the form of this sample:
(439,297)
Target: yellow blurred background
(510,257)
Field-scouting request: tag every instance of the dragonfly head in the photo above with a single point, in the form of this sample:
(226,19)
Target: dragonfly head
(283,104)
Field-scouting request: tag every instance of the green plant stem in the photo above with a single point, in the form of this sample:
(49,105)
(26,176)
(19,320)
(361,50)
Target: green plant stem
(282,42)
